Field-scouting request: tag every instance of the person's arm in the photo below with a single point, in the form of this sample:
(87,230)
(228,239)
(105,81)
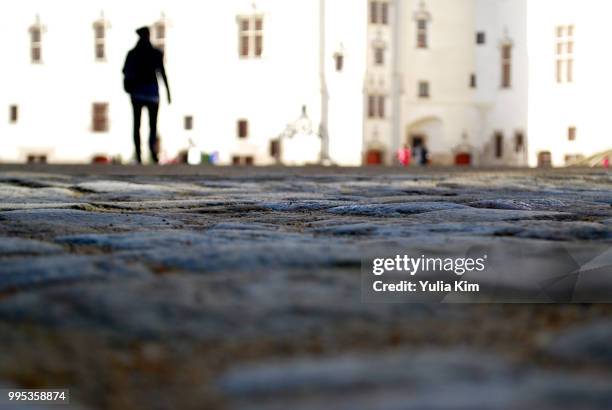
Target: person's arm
(162,71)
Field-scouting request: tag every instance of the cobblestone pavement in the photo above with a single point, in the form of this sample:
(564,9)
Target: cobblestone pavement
(192,288)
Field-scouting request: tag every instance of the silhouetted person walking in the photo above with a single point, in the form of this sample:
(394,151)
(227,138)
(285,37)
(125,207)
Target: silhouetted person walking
(142,65)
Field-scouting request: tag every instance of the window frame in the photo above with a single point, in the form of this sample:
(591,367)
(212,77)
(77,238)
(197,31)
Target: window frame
(251,36)
(100,122)
(572,133)
(519,142)
(473,81)
(339,62)
(159,34)
(507,53)
(13,114)
(424,89)
(498,144)
(481,38)
(188,122)
(379,12)
(422,33)
(377,106)
(99,27)
(36,52)
(242,128)
(379,55)
(564,53)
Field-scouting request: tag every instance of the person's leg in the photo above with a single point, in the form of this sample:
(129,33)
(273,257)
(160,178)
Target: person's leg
(137,110)
(153,109)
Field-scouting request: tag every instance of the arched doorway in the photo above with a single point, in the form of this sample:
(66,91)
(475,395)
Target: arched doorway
(425,133)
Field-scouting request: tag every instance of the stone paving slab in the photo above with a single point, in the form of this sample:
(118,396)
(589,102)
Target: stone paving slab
(145,288)
(429,379)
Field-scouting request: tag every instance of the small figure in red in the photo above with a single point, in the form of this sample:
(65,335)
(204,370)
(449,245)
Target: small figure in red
(404,155)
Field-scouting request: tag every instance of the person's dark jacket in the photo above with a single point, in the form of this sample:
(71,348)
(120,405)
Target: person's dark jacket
(141,66)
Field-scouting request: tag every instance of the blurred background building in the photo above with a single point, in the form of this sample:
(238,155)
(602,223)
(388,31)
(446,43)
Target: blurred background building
(349,82)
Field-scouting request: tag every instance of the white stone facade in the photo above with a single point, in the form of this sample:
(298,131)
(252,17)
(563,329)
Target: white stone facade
(372,75)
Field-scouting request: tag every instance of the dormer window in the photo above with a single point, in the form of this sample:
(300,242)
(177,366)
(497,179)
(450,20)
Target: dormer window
(506,52)
(160,28)
(565,54)
(339,61)
(99,28)
(36,31)
(250,36)
(422,19)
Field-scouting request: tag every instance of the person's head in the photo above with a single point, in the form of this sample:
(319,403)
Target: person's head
(144,33)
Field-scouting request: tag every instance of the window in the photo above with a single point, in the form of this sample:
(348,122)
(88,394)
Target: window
(421,33)
(240,160)
(275,148)
(544,159)
(13,114)
(571,134)
(100,40)
(384,11)
(376,106)
(473,81)
(188,122)
(506,66)
(339,61)
(250,36)
(36,159)
(379,55)
(481,38)
(565,54)
(519,142)
(379,12)
(572,159)
(100,117)
(424,89)
(243,129)
(159,34)
(498,141)
(36,43)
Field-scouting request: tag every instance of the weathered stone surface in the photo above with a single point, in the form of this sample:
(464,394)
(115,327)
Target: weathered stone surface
(137,240)
(409,380)
(19,246)
(521,204)
(77,220)
(22,273)
(388,210)
(247,284)
(475,215)
(11,193)
(589,343)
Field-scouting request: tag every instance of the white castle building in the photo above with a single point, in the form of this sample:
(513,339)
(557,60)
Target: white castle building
(481,82)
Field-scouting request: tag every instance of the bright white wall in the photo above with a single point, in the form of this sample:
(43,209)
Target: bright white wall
(585,103)
(210,82)
(346,101)
(208,79)
(505,109)
(447,64)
